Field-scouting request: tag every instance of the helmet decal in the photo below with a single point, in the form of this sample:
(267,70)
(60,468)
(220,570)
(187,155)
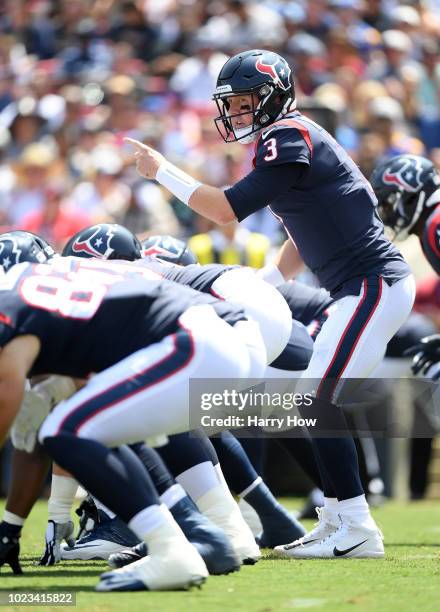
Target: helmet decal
(271,71)
(168,249)
(408,176)
(6,262)
(93,245)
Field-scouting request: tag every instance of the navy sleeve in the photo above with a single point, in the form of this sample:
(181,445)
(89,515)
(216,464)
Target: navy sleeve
(261,186)
(283,145)
(431,240)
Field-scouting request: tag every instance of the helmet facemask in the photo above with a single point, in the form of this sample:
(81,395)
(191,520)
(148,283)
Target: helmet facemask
(267,103)
(400,212)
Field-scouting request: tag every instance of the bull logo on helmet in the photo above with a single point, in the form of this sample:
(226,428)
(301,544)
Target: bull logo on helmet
(274,71)
(156,246)
(407,176)
(12,254)
(95,242)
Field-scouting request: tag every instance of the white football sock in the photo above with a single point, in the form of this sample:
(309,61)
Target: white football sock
(356,509)
(199,479)
(173,495)
(62,494)
(13,519)
(220,476)
(331,505)
(156,526)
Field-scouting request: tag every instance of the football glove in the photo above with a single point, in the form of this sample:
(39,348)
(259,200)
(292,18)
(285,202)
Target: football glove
(425,354)
(9,549)
(55,534)
(36,405)
(88,516)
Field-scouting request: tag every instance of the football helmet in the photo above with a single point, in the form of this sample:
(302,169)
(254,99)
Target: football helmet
(104,241)
(19,246)
(405,187)
(169,249)
(266,77)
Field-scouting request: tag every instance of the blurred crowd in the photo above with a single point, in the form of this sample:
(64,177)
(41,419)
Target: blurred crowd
(76,76)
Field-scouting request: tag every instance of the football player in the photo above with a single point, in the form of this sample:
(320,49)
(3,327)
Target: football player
(30,463)
(408,190)
(192,463)
(330,213)
(111,241)
(59,323)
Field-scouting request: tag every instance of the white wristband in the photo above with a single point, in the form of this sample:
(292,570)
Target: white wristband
(271,275)
(182,185)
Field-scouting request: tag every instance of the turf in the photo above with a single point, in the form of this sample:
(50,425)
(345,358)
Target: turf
(407,579)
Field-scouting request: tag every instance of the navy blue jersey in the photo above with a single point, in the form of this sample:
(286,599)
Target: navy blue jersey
(306,303)
(87,323)
(200,278)
(430,239)
(324,202)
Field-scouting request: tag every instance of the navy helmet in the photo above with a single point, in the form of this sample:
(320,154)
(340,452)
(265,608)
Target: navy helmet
(19,246)
(169,249)
(405,186)
(264,75)
(104,241)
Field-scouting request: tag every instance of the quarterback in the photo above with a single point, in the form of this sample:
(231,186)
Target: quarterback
(330,214)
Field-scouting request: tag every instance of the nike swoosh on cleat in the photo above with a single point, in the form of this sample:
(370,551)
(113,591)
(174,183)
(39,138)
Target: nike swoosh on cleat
(290,546)
(341,553)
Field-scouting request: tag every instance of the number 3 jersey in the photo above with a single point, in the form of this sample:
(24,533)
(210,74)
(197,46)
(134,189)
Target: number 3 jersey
(94,315)
(324,202)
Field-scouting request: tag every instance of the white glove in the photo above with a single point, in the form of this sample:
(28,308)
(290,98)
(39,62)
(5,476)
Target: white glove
(55,534)
(36,405)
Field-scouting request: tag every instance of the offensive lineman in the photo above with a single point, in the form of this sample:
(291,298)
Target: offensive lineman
(70,332)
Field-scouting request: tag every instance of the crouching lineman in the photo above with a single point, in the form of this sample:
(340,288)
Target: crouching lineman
(64,324)
(265,305)
(115,242)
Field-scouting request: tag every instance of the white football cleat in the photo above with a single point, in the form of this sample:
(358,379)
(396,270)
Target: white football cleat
(93,551)
(223,511)
(176,568)
(350,540)
(327,524)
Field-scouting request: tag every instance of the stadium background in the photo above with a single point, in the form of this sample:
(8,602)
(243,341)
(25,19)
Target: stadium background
(76,76)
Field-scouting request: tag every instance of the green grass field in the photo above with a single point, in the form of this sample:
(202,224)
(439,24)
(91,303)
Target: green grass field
(407,579)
